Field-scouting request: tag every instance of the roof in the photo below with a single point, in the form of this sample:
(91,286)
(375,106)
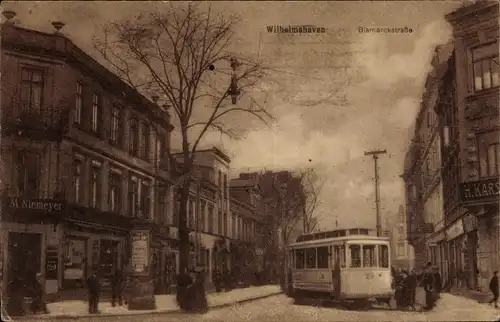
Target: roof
(216,151)
(239,183)
(469,9)
(353,238)
(35,42)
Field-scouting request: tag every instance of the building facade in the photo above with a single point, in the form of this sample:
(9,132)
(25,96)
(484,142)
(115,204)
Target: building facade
(475,246)
(247,245)
(209,212)
(401,252)
(82,155)
(424,188)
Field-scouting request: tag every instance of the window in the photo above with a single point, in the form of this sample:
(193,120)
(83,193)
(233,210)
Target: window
(401,250)
(145,211)
(96,110)
(233,223)
(95,185)
(225,185)
(355,252)
(220,179)
(133,189)
(162,203)
(78,180)
(219,223)
(492,159)
(78,103)
(191,213)
(339,253)
(401,231)
(28,174)
(383,256)
(485,66)
(32,88)
(225,223)
(115,125)
(300,258)
(114,191)
(323,257)
(311,258)
(145,141)
(175,214)
(134,136)
(369,258)
(202,215)
(210,219)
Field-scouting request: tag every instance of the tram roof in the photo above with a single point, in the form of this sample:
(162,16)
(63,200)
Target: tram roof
(354,238)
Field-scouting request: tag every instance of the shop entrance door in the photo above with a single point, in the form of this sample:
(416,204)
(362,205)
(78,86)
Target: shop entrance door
(24,255)
(108,257)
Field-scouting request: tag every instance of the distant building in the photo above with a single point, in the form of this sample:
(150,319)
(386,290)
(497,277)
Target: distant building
(401,250)
(208,211)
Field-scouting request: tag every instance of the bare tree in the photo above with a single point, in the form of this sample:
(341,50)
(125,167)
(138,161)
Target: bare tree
(176,54)
(312,186)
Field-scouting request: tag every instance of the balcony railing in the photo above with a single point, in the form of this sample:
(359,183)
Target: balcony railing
(38,122)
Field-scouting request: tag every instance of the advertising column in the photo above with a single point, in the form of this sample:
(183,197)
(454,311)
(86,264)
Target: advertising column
(142,295)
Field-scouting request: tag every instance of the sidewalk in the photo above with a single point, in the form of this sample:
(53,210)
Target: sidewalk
(480,297)
(164,303)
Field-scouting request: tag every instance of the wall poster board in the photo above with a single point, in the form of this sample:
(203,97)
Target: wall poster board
(140,251)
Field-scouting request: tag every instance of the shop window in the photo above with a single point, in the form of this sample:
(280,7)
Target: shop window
(355,252)
(369,258)
(300,258)
(323,257)
(75,259)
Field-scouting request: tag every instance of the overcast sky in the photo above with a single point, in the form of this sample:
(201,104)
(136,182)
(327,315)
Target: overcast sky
(375,100)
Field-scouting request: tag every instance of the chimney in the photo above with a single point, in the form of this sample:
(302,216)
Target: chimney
(58,25)
(9,14)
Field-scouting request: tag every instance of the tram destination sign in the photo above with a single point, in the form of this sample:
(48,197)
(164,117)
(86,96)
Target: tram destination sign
(479,190)
(37,205)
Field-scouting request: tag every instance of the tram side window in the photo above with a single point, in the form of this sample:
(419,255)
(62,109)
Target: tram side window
(369,258)
(299,258)
(323,256)
(311,258)
(383,256)
(355,251)
(340,255)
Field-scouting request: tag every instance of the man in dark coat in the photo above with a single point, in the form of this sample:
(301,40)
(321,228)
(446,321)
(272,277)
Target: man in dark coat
(39,304)
(117,288)
(494,288)
(438,283)
(411,289)
(199,295)
(184,280)
(428,284)
(94,288)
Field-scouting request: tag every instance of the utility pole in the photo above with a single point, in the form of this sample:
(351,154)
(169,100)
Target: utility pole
(375,154)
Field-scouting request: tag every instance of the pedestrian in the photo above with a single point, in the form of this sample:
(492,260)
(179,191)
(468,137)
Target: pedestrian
(200,297)
(438,286)
(494,288)
(184,280)
(117,288)
(411,288)
(94,289)
(428,283)
(39,304)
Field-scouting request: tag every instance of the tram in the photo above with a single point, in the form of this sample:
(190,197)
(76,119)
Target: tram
(340,265)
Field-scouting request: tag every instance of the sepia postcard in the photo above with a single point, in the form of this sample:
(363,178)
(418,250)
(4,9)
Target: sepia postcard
(250,160)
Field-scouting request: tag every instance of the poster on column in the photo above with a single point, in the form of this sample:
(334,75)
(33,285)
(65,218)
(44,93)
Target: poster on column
(140,251)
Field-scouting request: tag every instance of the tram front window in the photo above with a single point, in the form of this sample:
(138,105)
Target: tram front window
(355,252)
(369,258)
(383,256)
